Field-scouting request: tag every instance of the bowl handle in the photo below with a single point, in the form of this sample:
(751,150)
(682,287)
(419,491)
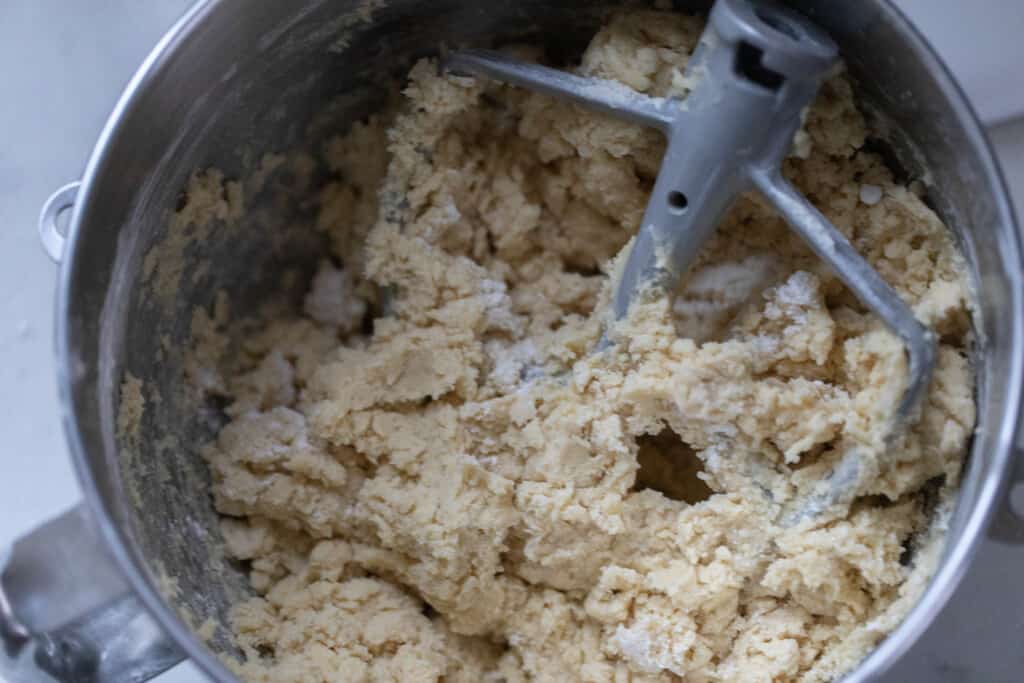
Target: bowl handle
(51,234)
(67,614)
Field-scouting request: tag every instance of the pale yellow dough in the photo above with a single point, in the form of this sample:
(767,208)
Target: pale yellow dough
(456,495)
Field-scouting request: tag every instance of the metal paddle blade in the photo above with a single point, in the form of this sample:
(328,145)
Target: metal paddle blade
(756,68)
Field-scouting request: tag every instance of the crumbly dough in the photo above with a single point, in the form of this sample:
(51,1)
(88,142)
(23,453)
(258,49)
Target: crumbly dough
(471,492)
(211,200)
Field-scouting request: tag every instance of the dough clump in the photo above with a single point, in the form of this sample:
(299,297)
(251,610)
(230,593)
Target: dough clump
(470,492)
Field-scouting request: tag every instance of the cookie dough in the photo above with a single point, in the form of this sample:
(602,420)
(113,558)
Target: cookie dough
(433,475)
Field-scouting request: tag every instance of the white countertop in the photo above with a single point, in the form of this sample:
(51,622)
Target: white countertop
(64,64)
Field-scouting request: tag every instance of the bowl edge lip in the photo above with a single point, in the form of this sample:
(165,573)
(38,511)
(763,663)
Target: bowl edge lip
(123,550)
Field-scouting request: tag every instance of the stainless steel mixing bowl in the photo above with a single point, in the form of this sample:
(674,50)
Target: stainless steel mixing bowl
(236,78)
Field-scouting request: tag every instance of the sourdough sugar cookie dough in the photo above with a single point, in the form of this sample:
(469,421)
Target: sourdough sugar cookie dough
(472,493)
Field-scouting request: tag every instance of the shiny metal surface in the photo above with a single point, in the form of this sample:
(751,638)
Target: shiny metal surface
(67,614)
(237,78)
